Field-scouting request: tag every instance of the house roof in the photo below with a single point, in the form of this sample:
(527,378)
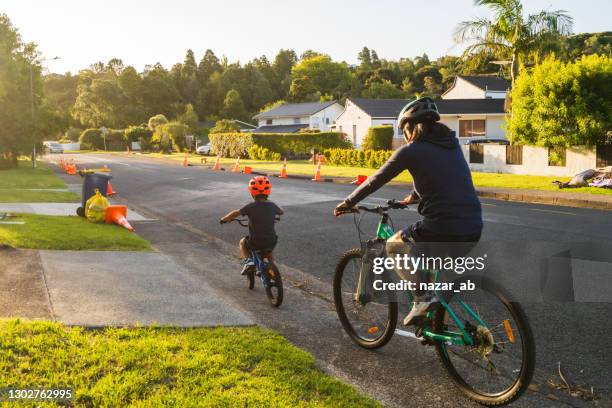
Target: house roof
(280,128)
(489,83)
(470,106)
(294,110)
(381,108)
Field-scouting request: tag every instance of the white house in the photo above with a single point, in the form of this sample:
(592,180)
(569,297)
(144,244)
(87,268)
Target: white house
(477,87)
(473,107)
(292,117)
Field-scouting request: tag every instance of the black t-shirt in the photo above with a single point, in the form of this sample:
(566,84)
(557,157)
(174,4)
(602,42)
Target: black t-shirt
(261,221)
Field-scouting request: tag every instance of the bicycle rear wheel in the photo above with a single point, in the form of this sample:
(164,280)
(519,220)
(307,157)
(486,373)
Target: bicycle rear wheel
(250,274)
(370,325)
(274,291)
(499,367)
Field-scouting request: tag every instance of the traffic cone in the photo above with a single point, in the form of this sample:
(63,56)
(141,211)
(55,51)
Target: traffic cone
(61,163)
(317,176)
(284,169)
(359,180)
(217,165)
(116,214)
(236,168)
(248,170)
(105,169)
(72,170)
(185,161)
(109,190)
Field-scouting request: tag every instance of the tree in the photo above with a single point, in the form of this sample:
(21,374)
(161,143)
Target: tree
(233,107)
(156,121)
(100,103)
(24,118)
(189,118)
(383,90)
(170,136)
(319,75)
(225,126)
(511,34)
(563,104)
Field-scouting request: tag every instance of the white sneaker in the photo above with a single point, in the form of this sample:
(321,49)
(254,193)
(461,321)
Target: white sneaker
(419,309)
(248,264)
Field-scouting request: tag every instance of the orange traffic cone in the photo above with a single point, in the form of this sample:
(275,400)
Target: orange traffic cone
(61,163)
(72,170)
(116,214)
(185,161)
(109,190)
(236,168)
(217,165)
(248,170)
(317,176)
(359,180)
(284,169)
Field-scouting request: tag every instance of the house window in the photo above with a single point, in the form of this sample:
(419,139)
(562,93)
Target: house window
(476,153)
(355,135)
(268,121)
(296,121)
(472,127)
(327,121)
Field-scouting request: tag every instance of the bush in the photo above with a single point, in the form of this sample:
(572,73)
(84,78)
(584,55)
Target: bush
(115,140)
(72,134)
(563,104)
(91,139)
(378,138)
(155,121)
(291,145)
(263,153)
(357,158)
(140,134)
(170,136)
(225,126)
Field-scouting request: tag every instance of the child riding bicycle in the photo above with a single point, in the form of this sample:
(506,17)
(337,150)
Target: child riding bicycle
(261,214)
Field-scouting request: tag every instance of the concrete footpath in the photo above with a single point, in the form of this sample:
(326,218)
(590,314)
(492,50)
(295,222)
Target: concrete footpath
(91,288)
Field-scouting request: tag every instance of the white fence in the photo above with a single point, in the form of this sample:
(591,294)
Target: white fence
(534,160)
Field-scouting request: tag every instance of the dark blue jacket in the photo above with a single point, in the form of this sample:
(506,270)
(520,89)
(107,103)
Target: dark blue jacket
(442,180)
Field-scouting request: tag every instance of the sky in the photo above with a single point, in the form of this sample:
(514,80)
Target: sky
(141,32)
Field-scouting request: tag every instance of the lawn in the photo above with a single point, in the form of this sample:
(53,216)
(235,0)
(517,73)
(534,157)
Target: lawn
(228,367)
(25,184)
(68,233)
(302,167)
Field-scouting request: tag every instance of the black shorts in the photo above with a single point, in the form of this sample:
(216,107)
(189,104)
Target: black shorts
(266,246)
(432,243)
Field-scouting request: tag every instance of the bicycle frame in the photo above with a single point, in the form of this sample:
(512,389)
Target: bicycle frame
(384,231)
(261,266)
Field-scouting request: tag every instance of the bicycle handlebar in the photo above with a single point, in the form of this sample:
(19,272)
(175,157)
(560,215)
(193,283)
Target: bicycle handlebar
(391,205)
(244,222)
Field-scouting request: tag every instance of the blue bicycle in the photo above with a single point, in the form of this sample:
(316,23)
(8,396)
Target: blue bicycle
(267,271)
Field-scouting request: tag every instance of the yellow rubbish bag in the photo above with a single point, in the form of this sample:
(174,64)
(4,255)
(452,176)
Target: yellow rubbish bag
(95,207)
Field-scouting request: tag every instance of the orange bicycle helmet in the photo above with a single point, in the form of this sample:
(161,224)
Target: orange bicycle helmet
(260,185)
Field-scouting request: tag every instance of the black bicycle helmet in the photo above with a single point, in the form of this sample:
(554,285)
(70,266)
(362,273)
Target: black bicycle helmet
(418,111)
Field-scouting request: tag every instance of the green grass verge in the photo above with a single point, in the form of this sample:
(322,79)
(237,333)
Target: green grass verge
(220,367)
(20,185)
(68,233)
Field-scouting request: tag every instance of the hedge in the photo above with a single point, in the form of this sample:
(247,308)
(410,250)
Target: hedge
(140,134)
(170,136)
(291,145)
(263,153)
(91,139)
(378,138)
(357,158)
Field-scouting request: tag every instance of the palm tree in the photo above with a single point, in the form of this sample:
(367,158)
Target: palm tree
(510,34)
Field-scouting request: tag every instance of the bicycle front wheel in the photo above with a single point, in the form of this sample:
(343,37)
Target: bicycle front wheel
(274,291)
(498,368)
(369,324)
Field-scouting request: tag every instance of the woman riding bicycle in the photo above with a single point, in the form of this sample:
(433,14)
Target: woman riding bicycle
(443,187)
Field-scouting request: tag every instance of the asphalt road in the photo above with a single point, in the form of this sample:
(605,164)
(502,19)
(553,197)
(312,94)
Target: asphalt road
(311,240)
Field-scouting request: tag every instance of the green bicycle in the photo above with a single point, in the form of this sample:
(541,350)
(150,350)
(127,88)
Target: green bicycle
(483,339)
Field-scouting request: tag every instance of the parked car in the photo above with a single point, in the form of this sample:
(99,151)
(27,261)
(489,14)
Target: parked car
(204,149)
(53,147)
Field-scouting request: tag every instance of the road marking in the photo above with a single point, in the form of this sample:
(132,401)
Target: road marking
(552,211)
(492,205)
(185,178)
